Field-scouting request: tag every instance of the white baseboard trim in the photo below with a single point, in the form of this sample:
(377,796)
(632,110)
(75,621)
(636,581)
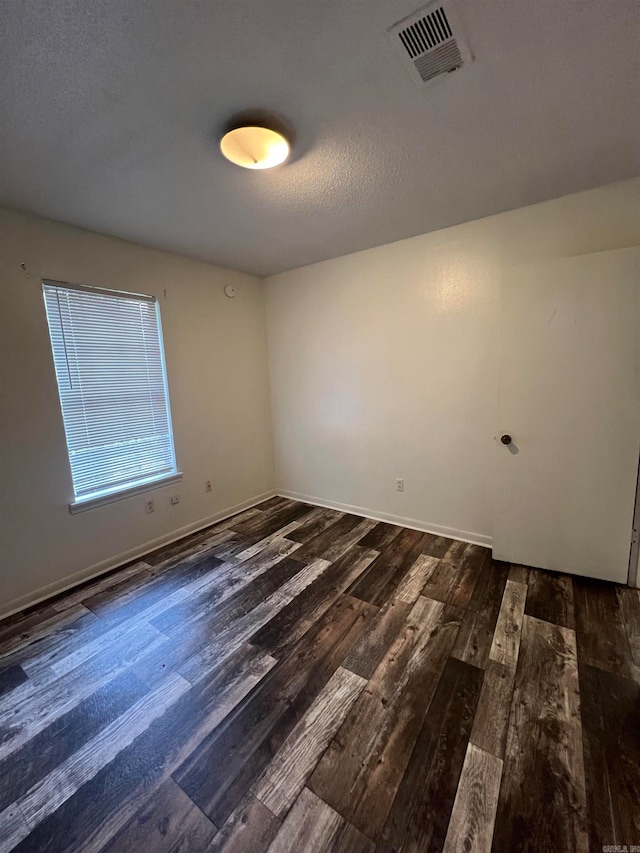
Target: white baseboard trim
(138,552)
(413,523)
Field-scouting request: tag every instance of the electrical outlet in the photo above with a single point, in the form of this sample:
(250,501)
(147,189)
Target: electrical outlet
(400,484)
(175,499)
(207,486)
(149,506)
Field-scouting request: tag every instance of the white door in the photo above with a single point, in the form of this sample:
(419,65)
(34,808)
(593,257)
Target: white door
(569,397)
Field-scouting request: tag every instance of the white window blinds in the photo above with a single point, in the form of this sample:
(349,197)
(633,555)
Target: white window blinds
(109,361)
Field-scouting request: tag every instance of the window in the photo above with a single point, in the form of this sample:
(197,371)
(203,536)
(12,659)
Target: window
(109,361)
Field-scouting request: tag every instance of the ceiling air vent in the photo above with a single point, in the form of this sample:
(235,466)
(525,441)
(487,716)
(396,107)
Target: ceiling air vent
(430,42)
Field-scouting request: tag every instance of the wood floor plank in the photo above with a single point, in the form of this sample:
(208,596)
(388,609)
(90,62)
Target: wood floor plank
(192,544)
(65,649)
(611,732)
(459,663)
(13,827)
(194,548)
(454,579)
(250,828)
(230,636)
(24,621)
(518,574)
(233,586)
(224,767)
(491,722)
(197,645)
(280,634)
(550,597)
(14,622)
(152,667)
(474,809)
(40,755)
(600,630)
(282,781)
(123,591)
(10,677)
(265,524)
(380,536)
(68,659)
(311,825)
(385,574)
(315,524)
(543,787)
(185,565)
(475,636)
(340,546)
(351,840)
(104,804)
(102,584)
(415,579)
(272,503)
(239,591)
(34,712)
(228,550)
(361,770)
(334,535)
(229,612)
(201,538)
(467,568)
(39,673)
(37,660)
(419,817)
(629,600)
(66,778)
(149,589)
(374,644)
(32,630)
(270,542)
(506,638)
(168,822)
(284,512)
(436,546)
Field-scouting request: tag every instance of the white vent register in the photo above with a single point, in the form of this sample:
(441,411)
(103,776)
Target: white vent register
(430,42)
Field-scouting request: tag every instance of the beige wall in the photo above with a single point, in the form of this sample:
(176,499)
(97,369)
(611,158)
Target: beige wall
(217,372)
(384,363)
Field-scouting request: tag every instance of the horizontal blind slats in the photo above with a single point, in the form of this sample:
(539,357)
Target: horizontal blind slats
(109,365)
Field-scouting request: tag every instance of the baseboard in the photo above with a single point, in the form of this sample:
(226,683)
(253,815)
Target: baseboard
(68,582)
(413,523)
(140,551)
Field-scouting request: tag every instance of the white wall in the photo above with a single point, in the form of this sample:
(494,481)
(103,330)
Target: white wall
(218,385)
(384,363)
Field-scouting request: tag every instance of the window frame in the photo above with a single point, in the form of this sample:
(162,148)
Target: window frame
(106,495)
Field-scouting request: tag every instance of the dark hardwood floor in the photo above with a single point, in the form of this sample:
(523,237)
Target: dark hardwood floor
(299,679)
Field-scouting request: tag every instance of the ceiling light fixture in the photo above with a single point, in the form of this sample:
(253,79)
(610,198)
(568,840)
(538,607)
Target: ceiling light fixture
(255,147)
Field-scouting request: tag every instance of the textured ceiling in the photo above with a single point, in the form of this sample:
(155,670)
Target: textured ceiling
(110,111)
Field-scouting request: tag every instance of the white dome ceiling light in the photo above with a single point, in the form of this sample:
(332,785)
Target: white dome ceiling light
(255,147)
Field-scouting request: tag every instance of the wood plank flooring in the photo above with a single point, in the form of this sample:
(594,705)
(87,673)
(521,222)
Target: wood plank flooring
(300,679)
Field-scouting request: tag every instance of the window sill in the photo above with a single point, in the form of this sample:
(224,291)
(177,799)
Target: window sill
(102,500)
